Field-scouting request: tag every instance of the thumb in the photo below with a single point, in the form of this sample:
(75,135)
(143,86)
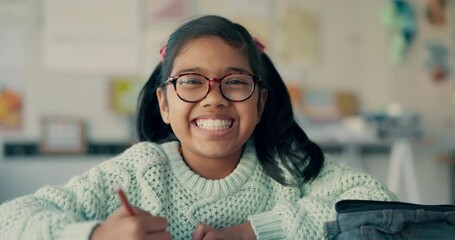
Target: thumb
(201,231)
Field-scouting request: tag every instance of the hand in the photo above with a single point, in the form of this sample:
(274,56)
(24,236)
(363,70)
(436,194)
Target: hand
(142,225)
(243,231)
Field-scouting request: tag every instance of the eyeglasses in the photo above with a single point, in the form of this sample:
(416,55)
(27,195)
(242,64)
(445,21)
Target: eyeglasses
(193,87)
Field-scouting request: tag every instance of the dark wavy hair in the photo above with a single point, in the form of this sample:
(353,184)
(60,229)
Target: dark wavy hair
(281,145)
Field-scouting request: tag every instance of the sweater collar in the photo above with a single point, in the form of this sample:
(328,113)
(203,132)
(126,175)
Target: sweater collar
(194,182)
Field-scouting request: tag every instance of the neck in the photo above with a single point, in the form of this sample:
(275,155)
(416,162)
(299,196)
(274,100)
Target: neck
(211,168)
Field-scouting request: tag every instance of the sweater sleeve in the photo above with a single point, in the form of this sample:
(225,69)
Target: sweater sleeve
(68,212)
(305,218)
(44,214)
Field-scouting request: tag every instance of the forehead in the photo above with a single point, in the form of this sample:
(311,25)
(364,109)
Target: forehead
(210,54)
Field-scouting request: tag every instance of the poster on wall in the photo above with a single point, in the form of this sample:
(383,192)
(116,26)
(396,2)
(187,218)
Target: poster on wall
(254,15)
(99,36)
(438,61)
(163,10)
(399,19)
(11,101)
(299,31)
(436,12)
(124,92)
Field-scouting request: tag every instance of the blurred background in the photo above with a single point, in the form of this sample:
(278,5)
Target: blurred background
(371,81)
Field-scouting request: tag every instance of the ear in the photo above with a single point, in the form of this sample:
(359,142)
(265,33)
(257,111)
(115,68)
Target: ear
(261,104)
(162,103)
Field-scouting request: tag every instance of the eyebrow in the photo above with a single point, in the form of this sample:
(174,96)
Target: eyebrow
(237,69)
(199,70)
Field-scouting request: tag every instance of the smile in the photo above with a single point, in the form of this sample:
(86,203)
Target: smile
(214,124)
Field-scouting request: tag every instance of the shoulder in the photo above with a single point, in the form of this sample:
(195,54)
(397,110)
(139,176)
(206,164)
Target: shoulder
(335,178)
(145,153)
(336,172)
(135,161)
(333,169)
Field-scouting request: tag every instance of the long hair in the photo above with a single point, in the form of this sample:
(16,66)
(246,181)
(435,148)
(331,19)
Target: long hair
(278,134)
(285,145)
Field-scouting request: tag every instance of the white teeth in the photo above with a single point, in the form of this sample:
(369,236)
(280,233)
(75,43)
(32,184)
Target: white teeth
(214,124)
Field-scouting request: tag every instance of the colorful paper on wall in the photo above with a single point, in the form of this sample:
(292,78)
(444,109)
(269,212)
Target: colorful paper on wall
(399,19)
(159,10)
(254,15)
(299,33)
(11,102)
(435,12)
(124,94)
(438,61)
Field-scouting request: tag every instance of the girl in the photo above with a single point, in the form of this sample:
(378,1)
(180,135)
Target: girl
(220,157)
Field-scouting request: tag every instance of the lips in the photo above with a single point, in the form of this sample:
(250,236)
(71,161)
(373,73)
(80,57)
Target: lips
(214,124)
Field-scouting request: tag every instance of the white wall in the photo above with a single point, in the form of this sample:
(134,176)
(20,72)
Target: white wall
(354,56)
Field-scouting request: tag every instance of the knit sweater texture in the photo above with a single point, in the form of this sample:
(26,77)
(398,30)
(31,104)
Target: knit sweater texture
(156,179)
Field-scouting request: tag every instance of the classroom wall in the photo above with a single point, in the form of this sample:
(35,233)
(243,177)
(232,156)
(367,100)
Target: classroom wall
(353,55)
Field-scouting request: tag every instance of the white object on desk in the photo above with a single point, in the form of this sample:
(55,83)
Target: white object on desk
(401,163)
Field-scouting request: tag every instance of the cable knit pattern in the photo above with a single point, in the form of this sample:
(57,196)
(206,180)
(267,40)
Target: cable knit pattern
(156,179)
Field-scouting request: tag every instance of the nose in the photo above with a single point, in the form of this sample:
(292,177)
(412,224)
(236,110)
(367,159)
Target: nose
(214,98)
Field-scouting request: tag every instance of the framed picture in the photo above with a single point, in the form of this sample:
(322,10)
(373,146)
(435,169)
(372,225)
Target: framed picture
(62,135)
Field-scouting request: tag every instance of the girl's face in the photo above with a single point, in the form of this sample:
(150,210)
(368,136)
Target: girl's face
(214,129)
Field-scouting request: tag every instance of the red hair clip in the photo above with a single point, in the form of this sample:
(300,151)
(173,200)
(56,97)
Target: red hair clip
(259,45)
(163,52)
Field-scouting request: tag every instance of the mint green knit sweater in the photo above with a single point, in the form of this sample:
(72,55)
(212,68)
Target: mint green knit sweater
(156,179)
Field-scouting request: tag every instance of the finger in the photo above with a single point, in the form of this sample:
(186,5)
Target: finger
(120,212)
(200,231)
(143,225)
(155,224)
(210,236)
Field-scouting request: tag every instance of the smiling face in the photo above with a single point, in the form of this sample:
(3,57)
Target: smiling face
(212,131)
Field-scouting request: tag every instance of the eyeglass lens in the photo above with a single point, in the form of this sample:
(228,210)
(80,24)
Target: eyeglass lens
(234,87)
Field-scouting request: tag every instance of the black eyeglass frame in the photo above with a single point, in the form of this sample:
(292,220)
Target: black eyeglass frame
(173,80)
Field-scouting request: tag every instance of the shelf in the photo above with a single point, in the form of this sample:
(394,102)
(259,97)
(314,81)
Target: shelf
(31,149)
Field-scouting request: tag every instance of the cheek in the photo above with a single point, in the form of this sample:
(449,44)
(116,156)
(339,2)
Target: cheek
(249,113)
(172,101)
(178,110)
